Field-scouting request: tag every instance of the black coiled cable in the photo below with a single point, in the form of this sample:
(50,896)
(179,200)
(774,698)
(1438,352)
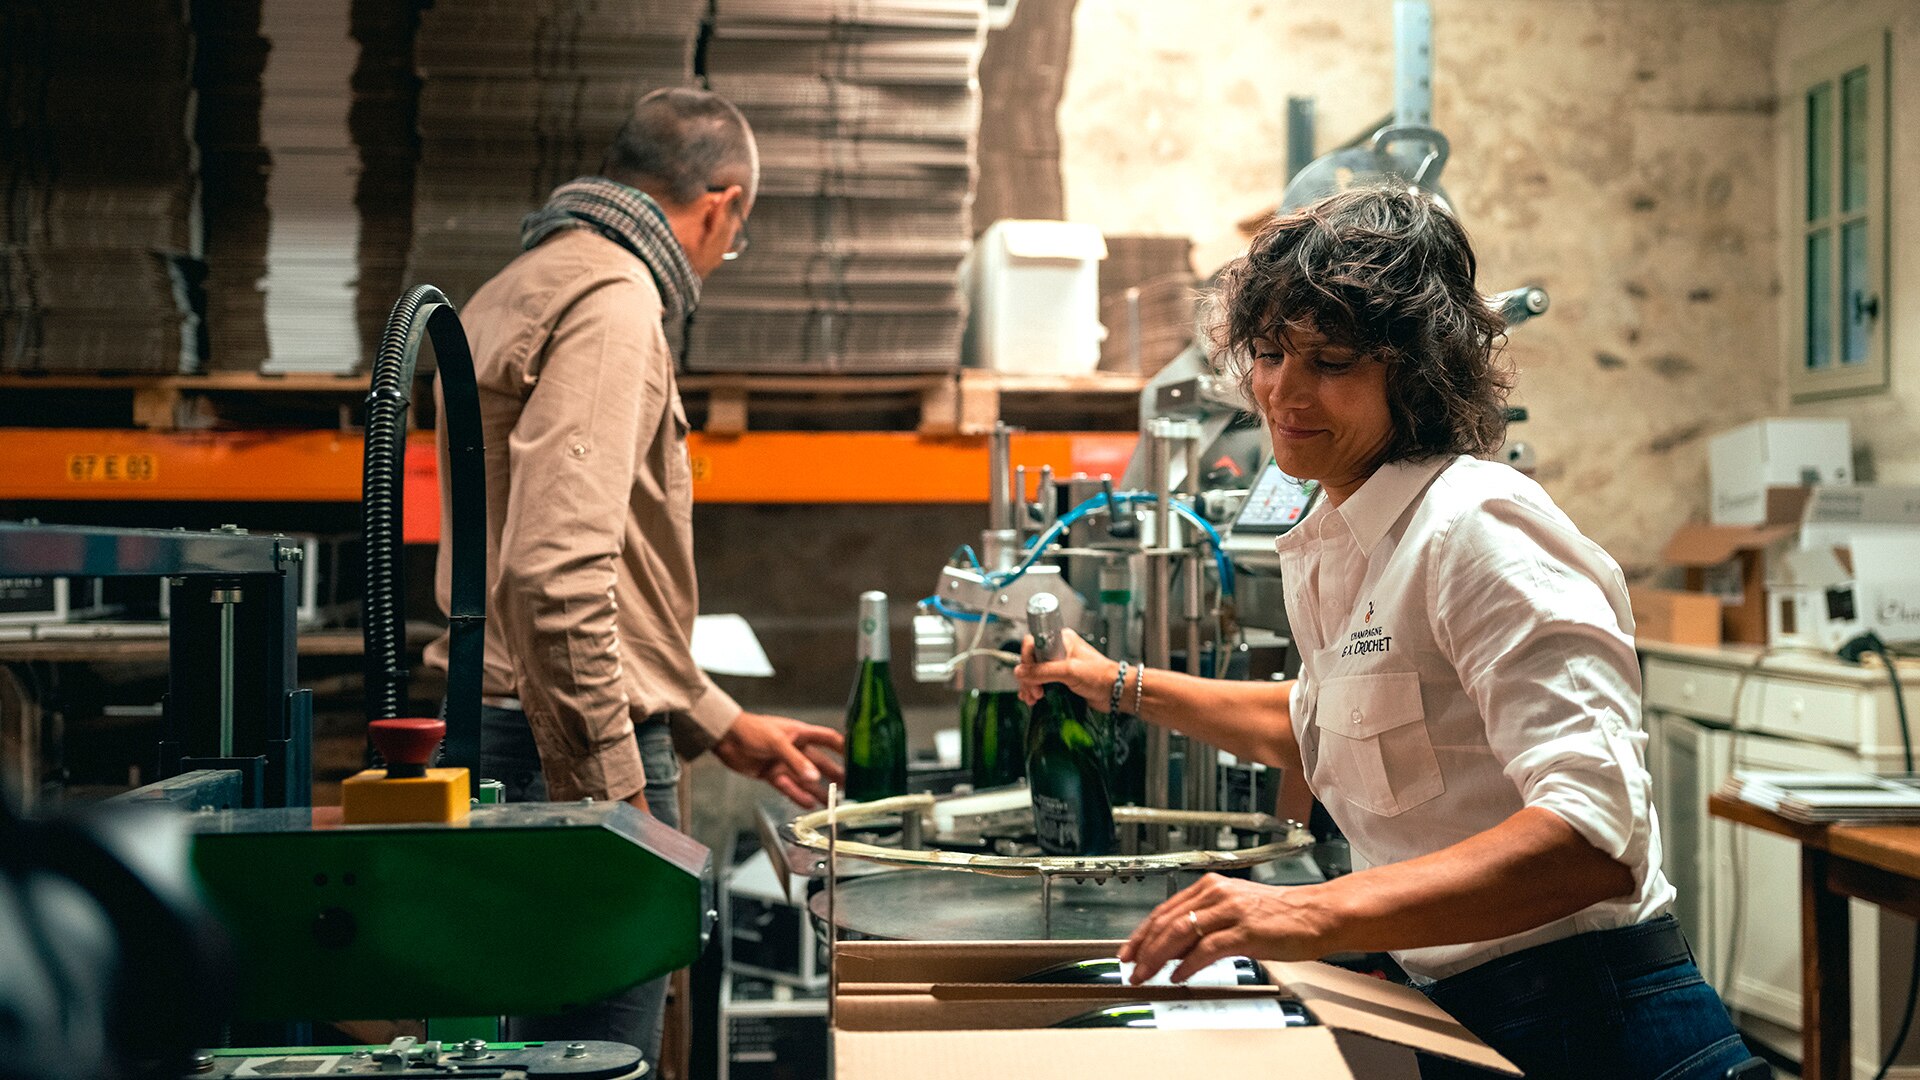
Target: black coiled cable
(425,312)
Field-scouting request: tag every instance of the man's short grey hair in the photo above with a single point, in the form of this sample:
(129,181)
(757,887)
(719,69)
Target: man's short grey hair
(679,142)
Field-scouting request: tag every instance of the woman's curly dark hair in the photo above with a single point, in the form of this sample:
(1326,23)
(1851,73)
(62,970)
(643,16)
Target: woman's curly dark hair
(1388,273)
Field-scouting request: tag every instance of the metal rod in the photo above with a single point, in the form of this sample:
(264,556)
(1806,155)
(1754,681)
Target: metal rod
(1046,905)
(1022,520)
(1203,761)
(999,513)
(226,598)
(1157,647)
(1412,62)
(1049,498)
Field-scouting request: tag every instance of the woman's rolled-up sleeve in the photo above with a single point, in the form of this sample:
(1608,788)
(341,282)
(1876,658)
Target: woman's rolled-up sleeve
(1534,618)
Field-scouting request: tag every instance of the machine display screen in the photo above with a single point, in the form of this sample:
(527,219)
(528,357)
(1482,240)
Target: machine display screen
(1276,503)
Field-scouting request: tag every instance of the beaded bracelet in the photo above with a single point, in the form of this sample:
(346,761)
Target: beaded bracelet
(1119,687)
(1139,687)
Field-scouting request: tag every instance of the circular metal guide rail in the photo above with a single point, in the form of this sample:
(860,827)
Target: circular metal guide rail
(813,831)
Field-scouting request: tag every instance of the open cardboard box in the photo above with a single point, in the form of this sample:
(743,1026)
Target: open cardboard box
(948,1010)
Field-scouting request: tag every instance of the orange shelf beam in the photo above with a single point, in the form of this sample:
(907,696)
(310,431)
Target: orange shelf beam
(324,466)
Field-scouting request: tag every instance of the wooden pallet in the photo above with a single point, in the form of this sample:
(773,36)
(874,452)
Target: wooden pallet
(199,402)
(967,403)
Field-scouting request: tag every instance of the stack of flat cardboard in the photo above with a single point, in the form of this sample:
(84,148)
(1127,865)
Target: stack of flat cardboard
(385,92)
(1148,299)
(98,253)
(312,256)
(518,97)
(305,129)
(229,56)
(866,113)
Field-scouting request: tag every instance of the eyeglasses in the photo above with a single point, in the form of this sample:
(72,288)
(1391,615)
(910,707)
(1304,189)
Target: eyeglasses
(740,239)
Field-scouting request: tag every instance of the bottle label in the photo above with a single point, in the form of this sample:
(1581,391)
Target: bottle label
(1222,972)
(1219,1015)
(1056,822)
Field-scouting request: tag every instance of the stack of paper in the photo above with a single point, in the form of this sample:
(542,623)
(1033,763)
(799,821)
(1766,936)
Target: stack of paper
(866,113)
(98,257)
(518,97)
(1825,798)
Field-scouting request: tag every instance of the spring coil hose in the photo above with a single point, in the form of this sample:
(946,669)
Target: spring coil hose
(422,313)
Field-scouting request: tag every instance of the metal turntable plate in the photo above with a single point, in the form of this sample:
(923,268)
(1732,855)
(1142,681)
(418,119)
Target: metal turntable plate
(940,905)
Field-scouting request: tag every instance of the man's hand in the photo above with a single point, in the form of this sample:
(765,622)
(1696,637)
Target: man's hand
(776,749)
(1084,671)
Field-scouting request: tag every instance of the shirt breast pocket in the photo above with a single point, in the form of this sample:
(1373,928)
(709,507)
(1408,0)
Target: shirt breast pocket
(1375,750)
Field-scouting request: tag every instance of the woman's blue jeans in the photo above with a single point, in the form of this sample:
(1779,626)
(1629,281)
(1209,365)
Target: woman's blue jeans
(1588,1008)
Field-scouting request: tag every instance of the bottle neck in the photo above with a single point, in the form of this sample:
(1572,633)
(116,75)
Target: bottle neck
(874,643)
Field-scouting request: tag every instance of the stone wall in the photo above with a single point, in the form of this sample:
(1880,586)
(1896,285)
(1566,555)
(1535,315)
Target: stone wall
(1619,154)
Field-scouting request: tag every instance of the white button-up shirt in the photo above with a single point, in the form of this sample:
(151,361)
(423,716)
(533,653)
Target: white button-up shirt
(1466,653)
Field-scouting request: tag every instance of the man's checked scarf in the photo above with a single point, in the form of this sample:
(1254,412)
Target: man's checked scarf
(628,217)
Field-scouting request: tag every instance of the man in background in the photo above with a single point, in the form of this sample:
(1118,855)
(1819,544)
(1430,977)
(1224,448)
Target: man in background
(590,686)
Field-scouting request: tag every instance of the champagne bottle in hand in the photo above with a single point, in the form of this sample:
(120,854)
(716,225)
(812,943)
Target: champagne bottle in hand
(1072,812)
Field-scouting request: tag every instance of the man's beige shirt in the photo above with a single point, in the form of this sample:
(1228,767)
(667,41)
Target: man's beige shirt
(591,591)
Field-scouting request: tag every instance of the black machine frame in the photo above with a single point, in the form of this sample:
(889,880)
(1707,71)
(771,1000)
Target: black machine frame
(232,701)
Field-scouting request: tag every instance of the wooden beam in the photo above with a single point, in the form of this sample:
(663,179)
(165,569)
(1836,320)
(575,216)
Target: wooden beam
(726,411)
(940,408)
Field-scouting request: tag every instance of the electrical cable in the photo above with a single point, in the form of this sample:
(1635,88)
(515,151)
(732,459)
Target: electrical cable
(955,614)
(1737,854)
(1039,544)
(1853,650)
(973,559)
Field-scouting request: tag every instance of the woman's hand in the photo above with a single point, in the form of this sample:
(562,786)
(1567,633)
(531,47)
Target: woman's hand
(1218,917)
(1084,671)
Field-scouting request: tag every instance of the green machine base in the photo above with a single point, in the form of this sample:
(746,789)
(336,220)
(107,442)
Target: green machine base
(520,909)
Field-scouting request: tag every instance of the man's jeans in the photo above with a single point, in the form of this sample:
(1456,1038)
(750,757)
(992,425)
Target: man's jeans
(1584,1008)
(508,754)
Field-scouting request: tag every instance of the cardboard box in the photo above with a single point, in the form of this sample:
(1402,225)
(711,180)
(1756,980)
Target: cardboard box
(1834,516)
(1683,618)
(949,1010)
(1730,562)
(1886,585)
(1034,287)
(1784,452)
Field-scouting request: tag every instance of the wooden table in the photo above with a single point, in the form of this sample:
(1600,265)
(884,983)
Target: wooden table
(1876,863)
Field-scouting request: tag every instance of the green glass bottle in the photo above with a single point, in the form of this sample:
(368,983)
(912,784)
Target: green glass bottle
(876,729)
(1072,811)
(993,723)
(1109,971)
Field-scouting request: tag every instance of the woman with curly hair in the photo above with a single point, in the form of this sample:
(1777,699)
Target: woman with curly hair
(1468,707)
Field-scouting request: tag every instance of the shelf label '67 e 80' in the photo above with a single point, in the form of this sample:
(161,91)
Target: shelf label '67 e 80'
(113,468)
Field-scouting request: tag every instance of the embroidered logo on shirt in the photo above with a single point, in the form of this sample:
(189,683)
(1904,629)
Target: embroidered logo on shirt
(1374,639)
